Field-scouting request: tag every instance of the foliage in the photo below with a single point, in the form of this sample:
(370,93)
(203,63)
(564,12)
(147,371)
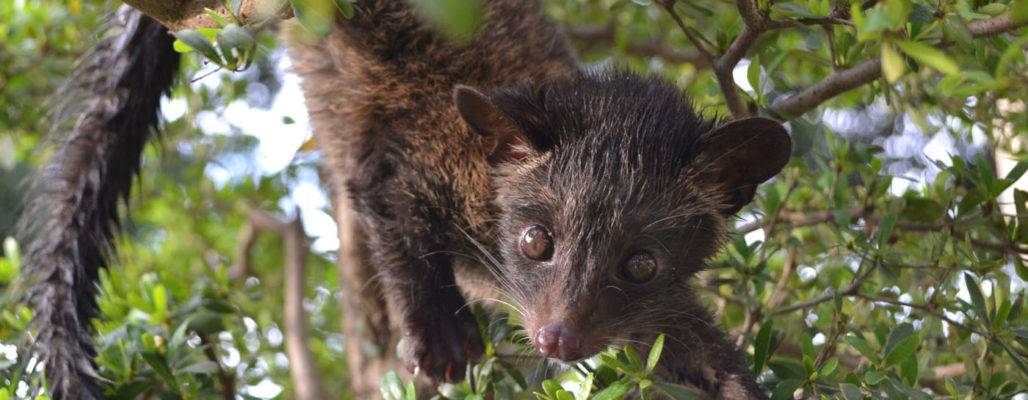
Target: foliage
(887,260)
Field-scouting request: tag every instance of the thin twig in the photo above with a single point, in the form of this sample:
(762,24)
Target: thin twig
(799,219)
(669,5)
(852,289)
(927,308)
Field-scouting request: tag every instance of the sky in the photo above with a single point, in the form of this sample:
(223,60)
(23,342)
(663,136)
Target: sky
(278,142)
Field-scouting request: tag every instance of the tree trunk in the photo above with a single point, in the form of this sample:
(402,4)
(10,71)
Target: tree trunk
(369,324)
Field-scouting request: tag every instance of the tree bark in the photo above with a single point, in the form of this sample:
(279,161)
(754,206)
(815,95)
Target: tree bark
(302,368)
(192,14)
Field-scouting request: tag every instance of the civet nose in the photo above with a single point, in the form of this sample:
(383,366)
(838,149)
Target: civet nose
(555,340)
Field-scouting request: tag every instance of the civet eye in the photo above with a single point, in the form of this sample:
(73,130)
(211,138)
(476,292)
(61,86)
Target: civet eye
(537,244)
(639,268)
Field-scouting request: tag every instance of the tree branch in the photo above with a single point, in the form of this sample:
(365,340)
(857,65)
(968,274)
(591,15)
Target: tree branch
(833,85)
(724,65)
(191,14)
(225,380)
(242,268)
(794,219)
(592,35)
(867,71)
(302,368)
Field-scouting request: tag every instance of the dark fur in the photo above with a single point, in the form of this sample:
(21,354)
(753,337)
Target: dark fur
(609,162)
(380,86)
(109,109)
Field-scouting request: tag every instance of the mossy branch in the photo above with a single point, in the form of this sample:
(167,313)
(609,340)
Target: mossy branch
(192,14)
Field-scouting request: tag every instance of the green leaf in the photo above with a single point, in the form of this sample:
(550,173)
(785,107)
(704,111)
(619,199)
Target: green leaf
(930,56)
(457,20)
(199,42)
(411,392)
(920,209)
(908,368)
(159,294)
(178,337)
(1019,10)
(634,358)
(829,367)
(1002,313)
(786,388)
(1015,356)
(903,350)
(851,391)
(677,392)
(762,347)
(993,9)
(314,15)
(215,16)
(616,391)
(898,334)
(863,347)
(951,388)
(514,374)
(390,387)
(204,367)
(551,387)
(613,361)
(893,65)
(898,10)
(977,299)
(181,47)
(955,30)
(874,377)
(654,356)
(753,76)
(220,306)
(1015,173)
(205,321)
(235,37)
(586,388)
(160,366)
(885,230)
(787,368)
(345,7)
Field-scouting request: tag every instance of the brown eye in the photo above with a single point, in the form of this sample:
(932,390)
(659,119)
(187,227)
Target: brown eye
(640,268)
(537,244)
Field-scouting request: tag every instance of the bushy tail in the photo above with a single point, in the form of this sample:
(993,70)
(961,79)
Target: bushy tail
(104,116)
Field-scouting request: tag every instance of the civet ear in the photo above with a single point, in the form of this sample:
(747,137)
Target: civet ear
(502,140)
(739,155)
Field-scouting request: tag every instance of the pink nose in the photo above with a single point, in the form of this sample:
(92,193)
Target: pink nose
(555,340)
